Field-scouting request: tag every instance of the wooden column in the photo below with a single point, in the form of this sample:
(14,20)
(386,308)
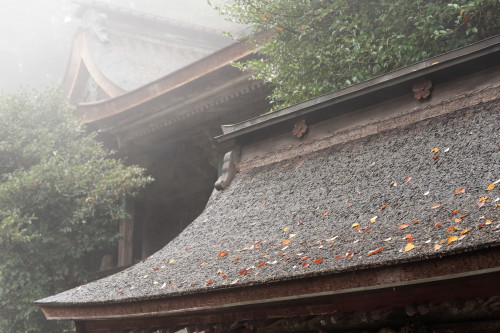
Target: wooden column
(126,244)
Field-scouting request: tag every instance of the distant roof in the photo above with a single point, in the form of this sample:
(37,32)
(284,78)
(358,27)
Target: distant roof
(131,49)
(348,207)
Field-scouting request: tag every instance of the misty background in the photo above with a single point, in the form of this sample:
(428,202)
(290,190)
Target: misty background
(36,35)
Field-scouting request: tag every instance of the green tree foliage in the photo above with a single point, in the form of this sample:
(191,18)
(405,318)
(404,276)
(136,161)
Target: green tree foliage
(61,201)
(318,46)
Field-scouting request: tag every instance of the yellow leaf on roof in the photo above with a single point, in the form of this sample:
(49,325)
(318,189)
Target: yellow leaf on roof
(286,229)
(452,239)
(409,247)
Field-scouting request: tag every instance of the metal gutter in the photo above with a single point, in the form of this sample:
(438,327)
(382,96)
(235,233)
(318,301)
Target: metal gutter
(406,74)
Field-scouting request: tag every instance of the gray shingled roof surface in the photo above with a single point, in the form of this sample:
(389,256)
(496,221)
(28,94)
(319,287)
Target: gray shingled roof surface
(318,201)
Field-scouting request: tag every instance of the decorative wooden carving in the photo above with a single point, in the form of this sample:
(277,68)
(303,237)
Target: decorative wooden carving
(300,128)
(228,170)
(422,89)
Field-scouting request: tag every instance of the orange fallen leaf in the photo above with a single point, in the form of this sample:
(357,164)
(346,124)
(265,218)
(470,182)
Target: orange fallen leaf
(434,150)
(367,230)
(451,229)
(339,256)
(488,222)
(480,225)
(408,179)
(452,239)
(438,224)
(286,241)
(415,222)
(236,259)
(435,157)
(403,226)
(304,258)
(224,276)
(210,282)
(317,261)
(457,220)
(300,223)
(455,212)
(437,247)
(436,205)
(325,212)
(357,228)
(409,237)
(304,265)
(222,254)
(374,251)
(156,268)
(464,231)
(348,255)
(463,216)
(460,190)
(256,247)
(243,272)
(483,199)
(490,187)
(264,255)
(409,247)
(261,264)
(383,207)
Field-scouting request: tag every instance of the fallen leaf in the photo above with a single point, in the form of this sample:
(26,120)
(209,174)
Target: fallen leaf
(490,187)
(243,272)
(408,179)
(291,236)
(435,206)
(447,150)
(209,282)
(452,239)
(438,224)
(261,264)
(325,212)
(388,239)
(383,207)
(480,225)
(349,254)
(409,247)
(286,229)
(300,223)
(286,241)
(236,259)
(427,193)
(156,268)
(435,157)
(437,247)
(304,258)
(367,230)
(464,231)
(434,150)
(451,229)
(460,190)
(480,204)
(455,212)
(339,256)
(403,226)
(409,237)
(355,225)
(457,220)
(373,219)
(317,261)
(224,276)
(488,222)
(171,261)
(304,265)
(357,228)
(463,216)
(375,251)
(415,222)
(222,254)
(483,199)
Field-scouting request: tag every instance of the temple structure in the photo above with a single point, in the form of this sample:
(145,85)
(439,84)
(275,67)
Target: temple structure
(157,91)
(373,208)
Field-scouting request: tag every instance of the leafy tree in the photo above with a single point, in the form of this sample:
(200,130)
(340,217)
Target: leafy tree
(318,46)
(61,201)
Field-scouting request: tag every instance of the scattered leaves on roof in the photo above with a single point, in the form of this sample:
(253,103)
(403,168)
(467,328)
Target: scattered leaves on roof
(403,226)
(374,251)
(222,254)
(452,239)
(409,247)
(317,261)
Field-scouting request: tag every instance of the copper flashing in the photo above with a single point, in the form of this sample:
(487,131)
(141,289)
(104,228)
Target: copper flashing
(404,76)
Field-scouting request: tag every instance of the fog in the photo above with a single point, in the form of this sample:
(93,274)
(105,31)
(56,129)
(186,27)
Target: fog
(36,34)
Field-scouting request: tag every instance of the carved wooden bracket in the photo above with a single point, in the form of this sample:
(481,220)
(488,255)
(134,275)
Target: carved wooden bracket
(228,170)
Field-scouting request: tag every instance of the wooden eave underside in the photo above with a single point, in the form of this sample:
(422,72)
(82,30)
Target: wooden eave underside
(126,104)
(460,276)
(80,56)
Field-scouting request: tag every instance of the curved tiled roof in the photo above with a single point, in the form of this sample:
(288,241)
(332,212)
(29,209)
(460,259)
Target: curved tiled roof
(344,208)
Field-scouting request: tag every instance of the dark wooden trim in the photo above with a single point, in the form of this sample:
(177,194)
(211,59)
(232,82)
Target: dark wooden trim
(433,277)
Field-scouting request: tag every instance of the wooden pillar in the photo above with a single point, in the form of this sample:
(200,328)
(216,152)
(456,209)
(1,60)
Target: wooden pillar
(126,243)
